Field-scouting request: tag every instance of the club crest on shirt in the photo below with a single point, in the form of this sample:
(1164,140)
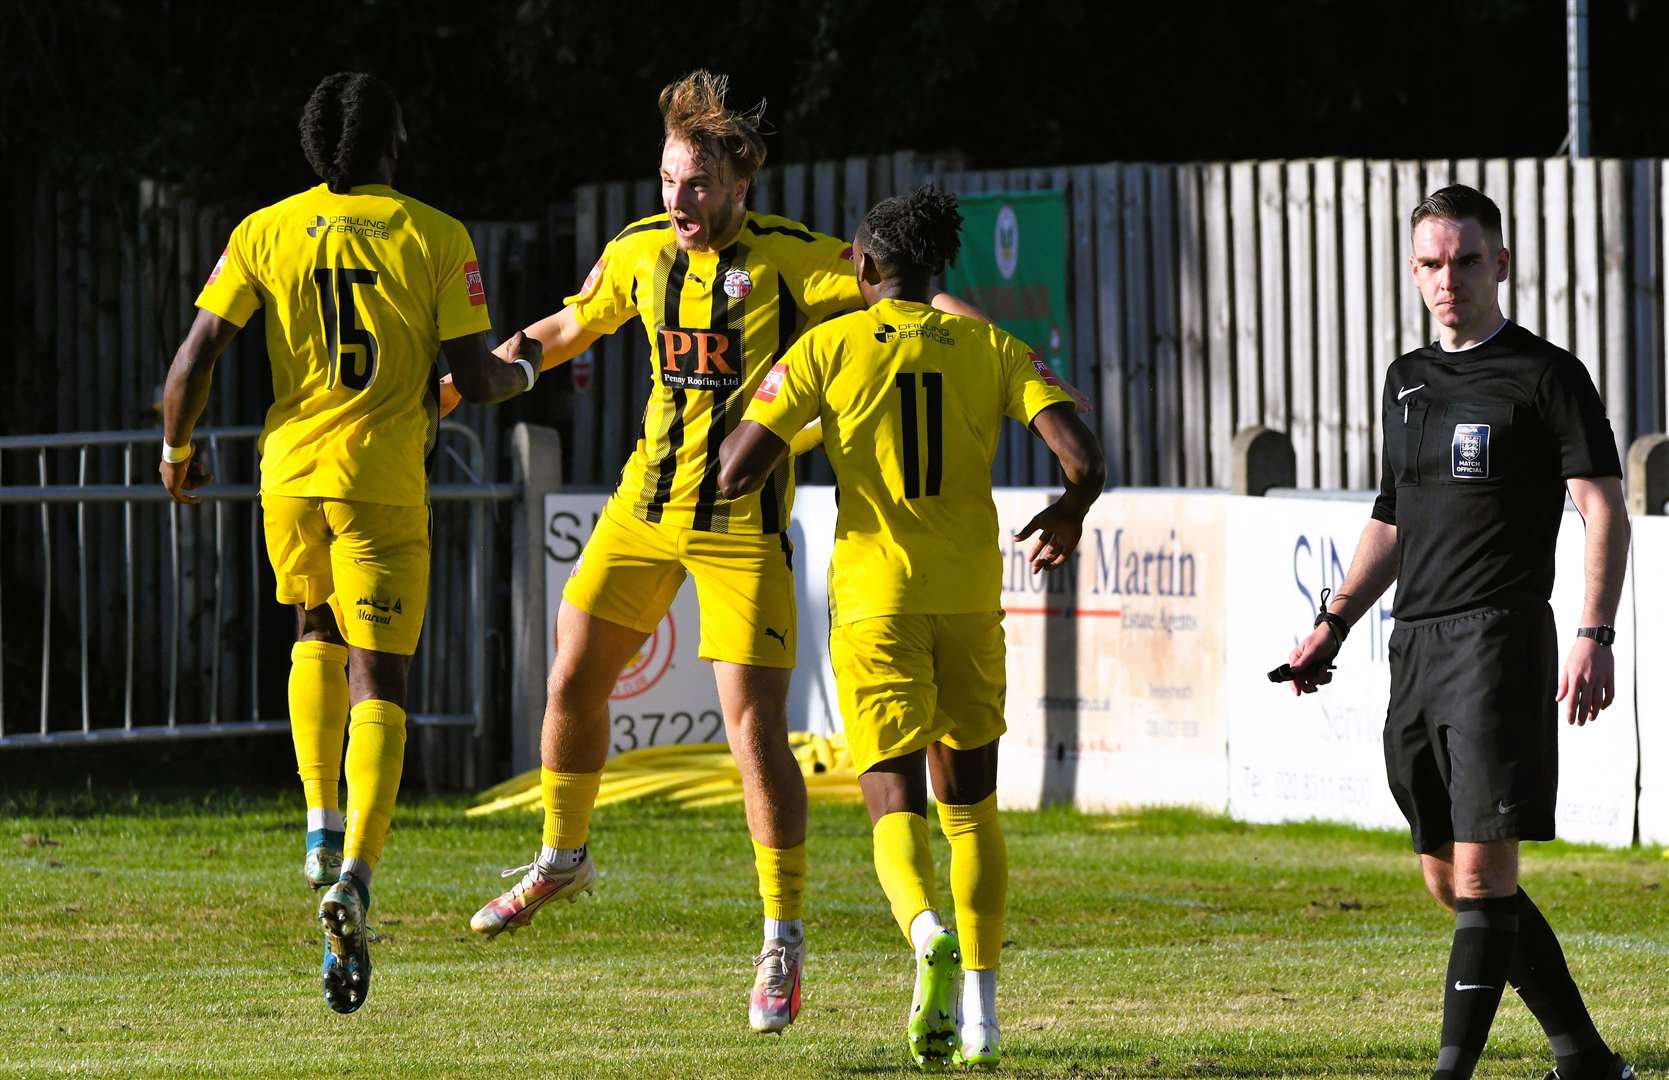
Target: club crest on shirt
(472,281)
(737,283)
(1470,452)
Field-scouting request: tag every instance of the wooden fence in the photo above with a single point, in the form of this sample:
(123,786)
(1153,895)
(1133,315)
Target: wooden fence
(1204,298)
(1211,297)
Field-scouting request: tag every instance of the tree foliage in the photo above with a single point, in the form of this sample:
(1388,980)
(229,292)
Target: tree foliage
(509,103)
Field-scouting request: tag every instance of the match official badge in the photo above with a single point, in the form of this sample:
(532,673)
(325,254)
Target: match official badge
(1044,370)
(1470,452)
(772,383)
(472,281)
(737,284)
(592,280)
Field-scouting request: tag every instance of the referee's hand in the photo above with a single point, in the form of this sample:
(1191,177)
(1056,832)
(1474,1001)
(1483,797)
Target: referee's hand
(1587,683)
(1310,659)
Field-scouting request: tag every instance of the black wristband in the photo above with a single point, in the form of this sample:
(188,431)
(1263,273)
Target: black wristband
(1340,628)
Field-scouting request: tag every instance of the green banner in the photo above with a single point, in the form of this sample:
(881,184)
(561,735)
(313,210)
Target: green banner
(1013,267)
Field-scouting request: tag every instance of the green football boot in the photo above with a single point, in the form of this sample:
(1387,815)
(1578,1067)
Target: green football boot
(932,1028)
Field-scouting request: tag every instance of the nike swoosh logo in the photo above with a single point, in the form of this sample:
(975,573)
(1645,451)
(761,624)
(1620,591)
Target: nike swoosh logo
(1505,807)
(1404,393)
(1471,986)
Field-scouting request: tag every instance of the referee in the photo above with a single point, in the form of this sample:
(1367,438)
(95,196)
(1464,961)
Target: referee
(1486,429)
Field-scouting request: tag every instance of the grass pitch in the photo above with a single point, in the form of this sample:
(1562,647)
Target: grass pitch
(175,939)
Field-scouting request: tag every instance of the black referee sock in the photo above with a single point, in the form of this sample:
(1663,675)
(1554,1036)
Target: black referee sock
(1539,974)
(1483,949)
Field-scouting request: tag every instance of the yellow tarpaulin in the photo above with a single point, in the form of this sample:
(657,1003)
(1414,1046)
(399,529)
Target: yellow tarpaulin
(701,774)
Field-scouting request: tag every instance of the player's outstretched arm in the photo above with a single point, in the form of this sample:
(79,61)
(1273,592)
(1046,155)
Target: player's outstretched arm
(1060,525)
(185,394)
(1372,570)
(482,376)
(1587,682)
(747,457)
(560,337)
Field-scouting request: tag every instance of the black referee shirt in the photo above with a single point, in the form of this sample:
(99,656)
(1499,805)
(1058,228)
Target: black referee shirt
(1478,445)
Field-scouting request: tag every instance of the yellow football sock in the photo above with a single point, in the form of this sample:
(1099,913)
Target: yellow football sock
(978,879)
(782,879)
(318,716)
(905,866)
(569,797)
(376,754)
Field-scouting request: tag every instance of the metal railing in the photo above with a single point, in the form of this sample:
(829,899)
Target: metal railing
(140,489)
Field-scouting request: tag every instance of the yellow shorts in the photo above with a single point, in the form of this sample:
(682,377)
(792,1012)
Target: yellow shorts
(909,681)
(630,572)
(369,560)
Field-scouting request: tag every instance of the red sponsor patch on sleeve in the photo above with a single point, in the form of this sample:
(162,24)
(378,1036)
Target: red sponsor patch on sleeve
(219,265)
(592,280)
(772,383)
(472,282)
(1044,370)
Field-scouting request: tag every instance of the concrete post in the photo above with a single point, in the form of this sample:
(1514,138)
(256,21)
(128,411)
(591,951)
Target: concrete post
(1648,474)
(1263,459)
(537,455)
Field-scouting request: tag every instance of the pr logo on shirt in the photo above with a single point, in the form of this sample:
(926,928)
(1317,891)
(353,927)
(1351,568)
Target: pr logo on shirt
(472,281)
(700,359)
(1045,371)
(219,265)
(1470,448)
(773,382)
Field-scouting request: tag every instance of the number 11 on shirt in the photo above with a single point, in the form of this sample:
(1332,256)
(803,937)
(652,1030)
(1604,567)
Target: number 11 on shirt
(933,382)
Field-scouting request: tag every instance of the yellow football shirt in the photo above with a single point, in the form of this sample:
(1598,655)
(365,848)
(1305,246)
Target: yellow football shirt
(912,401)
(716,322)
(359,290)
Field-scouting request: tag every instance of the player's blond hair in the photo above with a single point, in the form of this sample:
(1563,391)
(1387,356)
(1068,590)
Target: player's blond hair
(694,112)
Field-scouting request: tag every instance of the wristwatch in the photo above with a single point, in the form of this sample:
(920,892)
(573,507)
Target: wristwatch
(1605,635)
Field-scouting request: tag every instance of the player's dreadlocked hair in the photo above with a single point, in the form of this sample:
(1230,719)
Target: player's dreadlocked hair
(693,110)
(913,235)
(346,125)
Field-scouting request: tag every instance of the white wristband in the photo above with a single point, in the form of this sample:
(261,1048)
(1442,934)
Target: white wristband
(529,370)
(173,455)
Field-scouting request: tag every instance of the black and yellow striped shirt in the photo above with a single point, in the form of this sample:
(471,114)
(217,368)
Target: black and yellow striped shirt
(716,322)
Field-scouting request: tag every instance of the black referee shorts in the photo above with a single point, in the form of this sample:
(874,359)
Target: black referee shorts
(1472,734)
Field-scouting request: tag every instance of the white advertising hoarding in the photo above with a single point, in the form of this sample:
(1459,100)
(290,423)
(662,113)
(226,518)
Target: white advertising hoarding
(1115,660)
(1322,756)
(1319,756)
(1137,674)
(1598,762)
(666,694)
(1649,589)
